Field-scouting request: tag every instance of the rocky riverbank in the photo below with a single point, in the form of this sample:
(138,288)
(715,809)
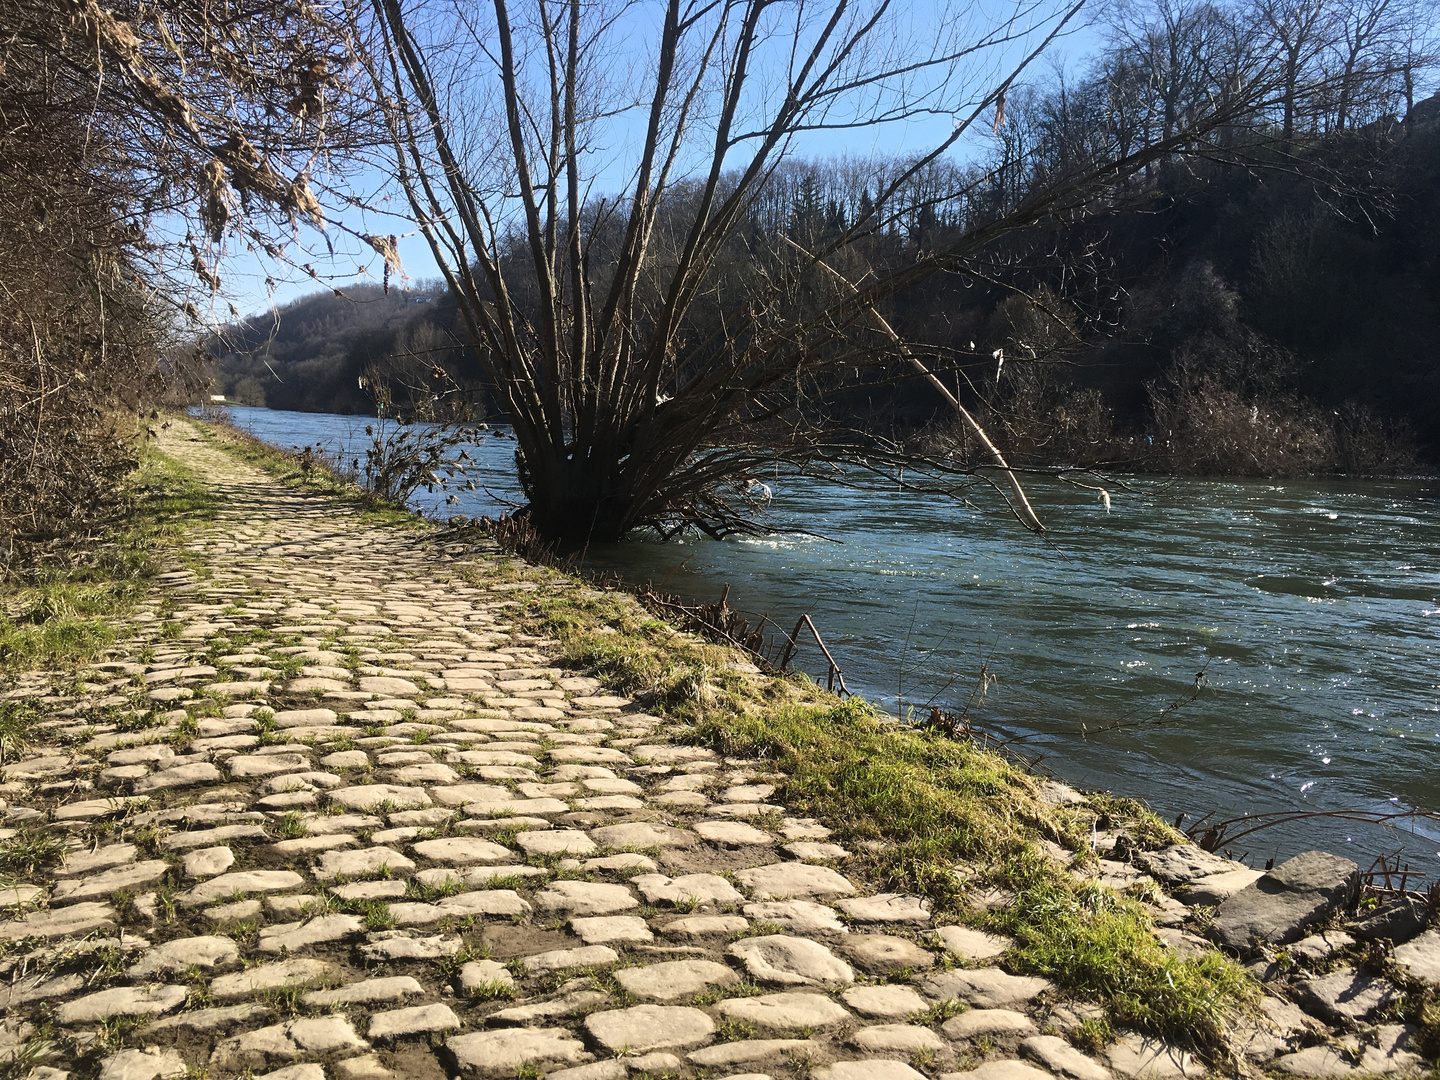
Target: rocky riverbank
(333,809)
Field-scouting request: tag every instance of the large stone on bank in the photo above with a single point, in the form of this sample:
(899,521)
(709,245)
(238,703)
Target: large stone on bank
(1279,907)
(504,1052)
(1421,957)
(650,1027)
(1180,864)
(1398,921)
(1345,996)
(791,961)
(1215,889)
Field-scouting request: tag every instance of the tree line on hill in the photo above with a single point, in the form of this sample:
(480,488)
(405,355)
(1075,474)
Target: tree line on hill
(1213,249)
(1270,310)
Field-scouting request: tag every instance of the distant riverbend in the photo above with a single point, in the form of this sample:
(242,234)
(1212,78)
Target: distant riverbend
(1312,608)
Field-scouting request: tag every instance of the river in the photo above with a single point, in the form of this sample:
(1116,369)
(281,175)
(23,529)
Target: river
(1312,608)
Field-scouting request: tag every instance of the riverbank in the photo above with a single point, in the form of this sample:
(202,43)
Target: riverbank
(462,813)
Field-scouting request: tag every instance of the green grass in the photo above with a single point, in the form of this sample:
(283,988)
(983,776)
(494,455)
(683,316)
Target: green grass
(64,615)
(938,803)
(28,852)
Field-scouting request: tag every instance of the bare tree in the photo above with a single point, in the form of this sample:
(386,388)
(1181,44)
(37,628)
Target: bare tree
(584,174)
(1298,31)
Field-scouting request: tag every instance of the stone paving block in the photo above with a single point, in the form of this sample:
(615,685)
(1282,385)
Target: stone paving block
(970,944)
(76,919)
(414,1020)
(880,954)
(319,931)
(372,796)
(207,862)
(585,898)
(556,842)
(886,908)
(365,992)
(784,881)
(675,979)
(886,1002)
(801,916)
(1141,1058)
(121,1001)
(869,1069)
(559,959)
(366,862)
(897,1039)
(650,1027)
(177,956)
(315,1038)
(988,1023)
(504,1052)
(785,1011)
(151,1063)
(603,929)
(248,881)
(1062,1059)
(256,980)
(792,961)
(122,878)
(462,851)
(702,889)
(984,988)
(642,835)
(1001,1070)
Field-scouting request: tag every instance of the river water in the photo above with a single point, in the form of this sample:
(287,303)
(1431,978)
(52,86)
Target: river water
(1312,608)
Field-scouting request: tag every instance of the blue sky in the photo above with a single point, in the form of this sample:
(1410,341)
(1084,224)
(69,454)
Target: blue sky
(340,259)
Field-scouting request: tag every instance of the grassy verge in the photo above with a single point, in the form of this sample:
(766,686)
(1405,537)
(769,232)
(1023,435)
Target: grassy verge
(311,474)
(949,816)
(65,615)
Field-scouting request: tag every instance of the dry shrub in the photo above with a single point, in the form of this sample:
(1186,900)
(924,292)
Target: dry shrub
(78,349)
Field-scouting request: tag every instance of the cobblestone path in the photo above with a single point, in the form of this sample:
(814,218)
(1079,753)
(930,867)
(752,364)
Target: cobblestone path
(404,844)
